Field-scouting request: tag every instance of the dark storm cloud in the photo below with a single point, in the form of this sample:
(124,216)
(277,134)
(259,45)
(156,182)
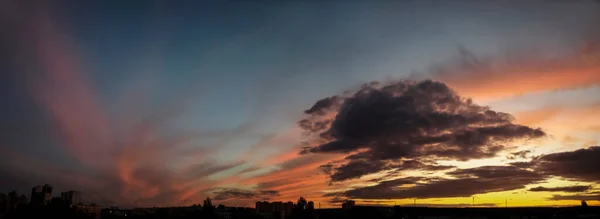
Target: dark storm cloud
(313,126)
(358,168)
(332,146)
(561,189)
(362,167)
(582,164)
(470,182)
(327,168)
(233,193)
(588,196)
(322,105)
(408,120)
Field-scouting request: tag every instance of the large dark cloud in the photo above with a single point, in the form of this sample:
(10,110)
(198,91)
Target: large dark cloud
(383,125)
(587,196)
(221,194)
(582,164)
(468,182)
(363,166)
(576,165)
(561,189)
(358,168)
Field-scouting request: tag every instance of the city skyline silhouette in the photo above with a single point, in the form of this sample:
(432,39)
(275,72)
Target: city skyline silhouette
(376,104)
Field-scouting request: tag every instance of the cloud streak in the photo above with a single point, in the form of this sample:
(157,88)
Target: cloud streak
(588,197)
(582,164)
(222,194)
(486,77)
(468,182)
(128,159)
(561,189)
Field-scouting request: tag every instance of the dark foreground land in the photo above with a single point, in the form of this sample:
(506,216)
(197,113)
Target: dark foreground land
(354,213)
(447,213)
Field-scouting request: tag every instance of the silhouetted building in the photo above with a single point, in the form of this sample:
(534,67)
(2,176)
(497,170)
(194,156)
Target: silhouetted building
(41,195)
(93,211)
(263,207)
(288,207)
(265,215)
(276,209)
(13,200)
(3,203)
(57,202)
(23,200)
(10,202)
(277,206)
(311,205)
(71,197)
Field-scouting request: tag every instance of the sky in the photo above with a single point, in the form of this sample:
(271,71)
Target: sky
(439,103)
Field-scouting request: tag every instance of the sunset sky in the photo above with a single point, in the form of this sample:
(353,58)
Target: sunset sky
(150,103)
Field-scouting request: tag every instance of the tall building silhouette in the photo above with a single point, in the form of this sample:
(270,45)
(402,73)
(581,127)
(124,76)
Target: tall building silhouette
(264,207)
(3,203)
(13,200)
(41,195)
(71,197)
(278,209)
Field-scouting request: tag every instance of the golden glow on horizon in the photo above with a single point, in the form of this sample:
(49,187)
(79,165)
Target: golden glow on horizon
(85,132)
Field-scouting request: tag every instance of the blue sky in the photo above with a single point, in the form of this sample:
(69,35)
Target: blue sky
(242,72)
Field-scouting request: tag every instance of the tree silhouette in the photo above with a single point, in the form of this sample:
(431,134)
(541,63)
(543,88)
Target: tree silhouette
(301,210)
(301,204)
(208,210)
(207,204)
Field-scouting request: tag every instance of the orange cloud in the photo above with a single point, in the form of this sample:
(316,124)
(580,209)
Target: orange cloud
(482,78)
(577,117)
(535,117)
(126,153)
(66,95)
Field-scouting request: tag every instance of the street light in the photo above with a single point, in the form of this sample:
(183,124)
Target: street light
(506,202)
